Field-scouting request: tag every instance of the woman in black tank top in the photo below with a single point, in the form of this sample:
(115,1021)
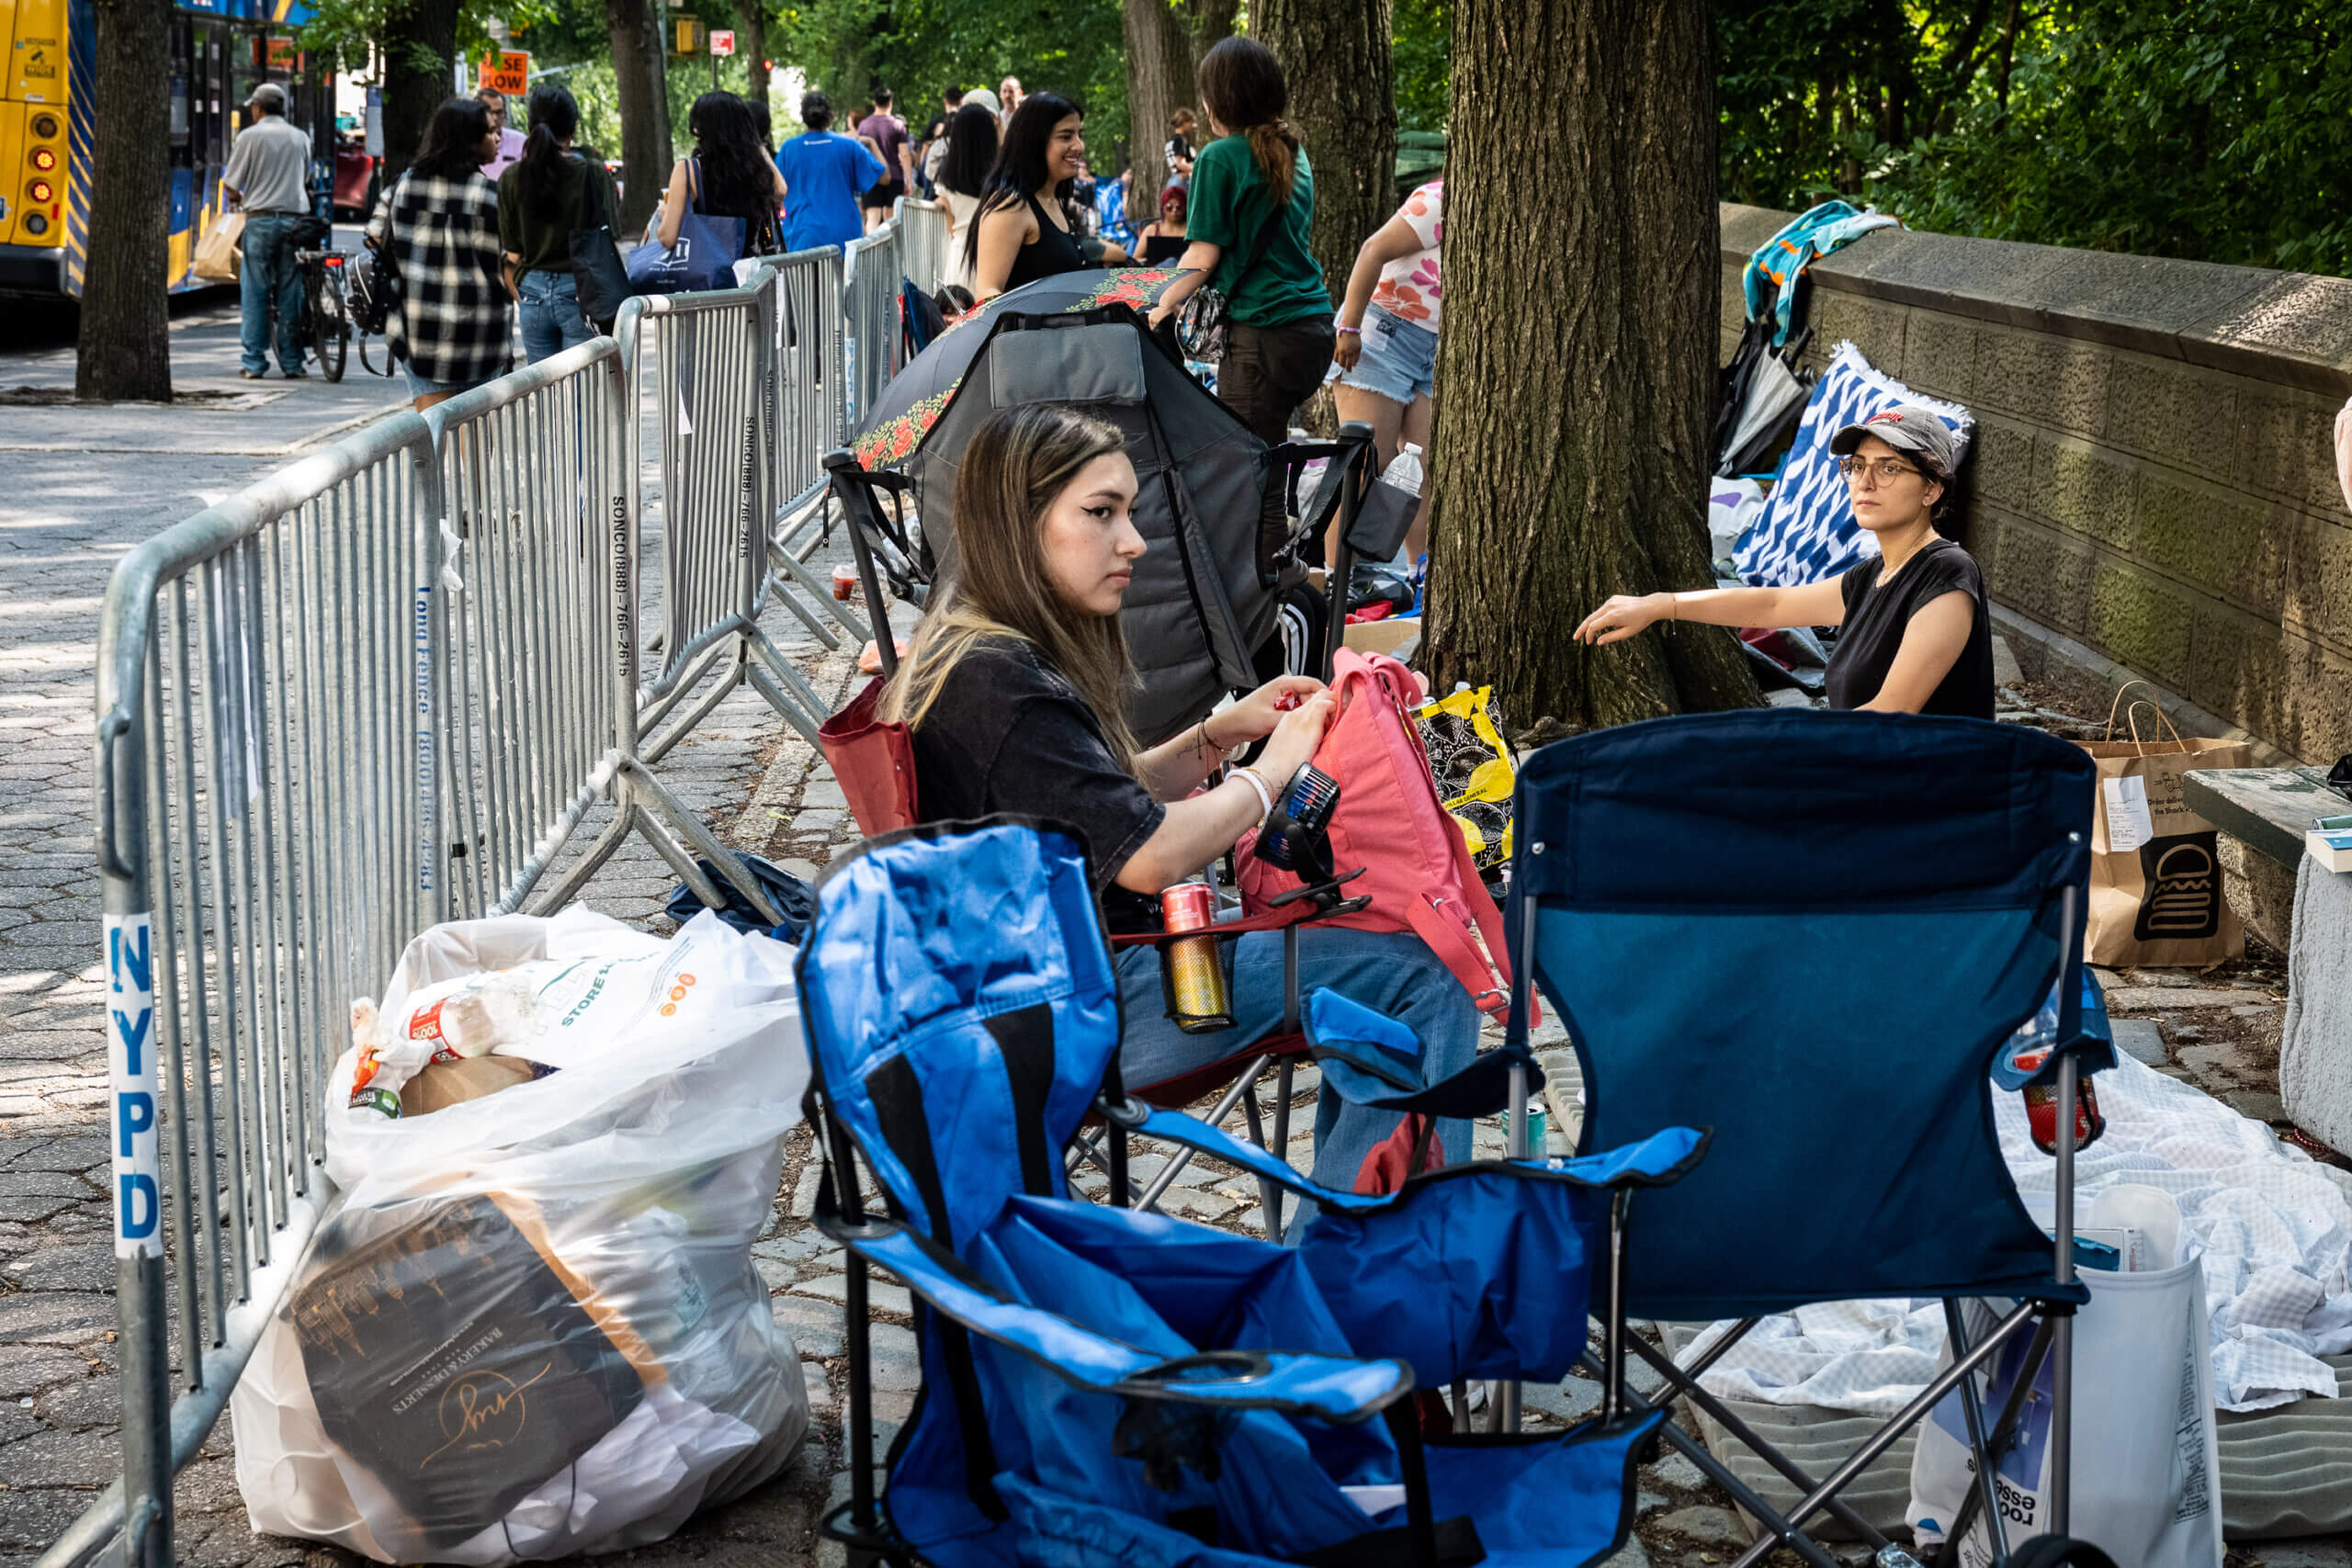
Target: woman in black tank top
(1164,242)
(1916,634)
(1019,234)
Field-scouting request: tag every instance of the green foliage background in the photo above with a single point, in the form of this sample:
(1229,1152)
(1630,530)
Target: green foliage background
(2215,130)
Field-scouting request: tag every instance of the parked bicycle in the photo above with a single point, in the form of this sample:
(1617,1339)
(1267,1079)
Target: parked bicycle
(325,327)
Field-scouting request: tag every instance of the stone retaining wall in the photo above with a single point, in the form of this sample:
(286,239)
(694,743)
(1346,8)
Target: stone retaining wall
(2153,472)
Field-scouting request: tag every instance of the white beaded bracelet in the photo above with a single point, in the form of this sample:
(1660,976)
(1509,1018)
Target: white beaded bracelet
(1265,797)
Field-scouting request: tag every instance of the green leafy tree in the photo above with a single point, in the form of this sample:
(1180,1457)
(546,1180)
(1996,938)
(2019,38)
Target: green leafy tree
(2215,130)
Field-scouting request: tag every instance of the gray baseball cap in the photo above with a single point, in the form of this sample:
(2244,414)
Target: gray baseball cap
(270,97)
(1906,429)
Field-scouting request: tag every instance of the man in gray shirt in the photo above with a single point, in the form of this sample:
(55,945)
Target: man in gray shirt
(268,178)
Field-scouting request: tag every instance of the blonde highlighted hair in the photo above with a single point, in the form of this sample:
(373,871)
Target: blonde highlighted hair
(999,588)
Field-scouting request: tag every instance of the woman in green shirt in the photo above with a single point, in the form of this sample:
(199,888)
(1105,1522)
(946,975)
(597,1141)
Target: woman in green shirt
(1251,203)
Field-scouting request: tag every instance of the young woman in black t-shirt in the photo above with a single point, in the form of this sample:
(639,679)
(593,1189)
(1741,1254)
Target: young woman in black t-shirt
(1916,637)
(1014,689)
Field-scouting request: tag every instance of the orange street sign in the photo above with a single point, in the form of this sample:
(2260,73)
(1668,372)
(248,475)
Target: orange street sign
(507,71)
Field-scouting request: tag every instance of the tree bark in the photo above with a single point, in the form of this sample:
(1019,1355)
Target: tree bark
(752,45)
(419,51)
(640,74)
(1576,359)
(1159,79)
(1343,105)
(1212,23)
(125,350)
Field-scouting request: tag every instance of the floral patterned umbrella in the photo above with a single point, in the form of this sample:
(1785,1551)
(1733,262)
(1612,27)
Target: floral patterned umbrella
(918,394)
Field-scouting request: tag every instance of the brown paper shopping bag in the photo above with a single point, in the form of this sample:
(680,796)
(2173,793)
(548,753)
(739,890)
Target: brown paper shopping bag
(2155,869)
(221,251)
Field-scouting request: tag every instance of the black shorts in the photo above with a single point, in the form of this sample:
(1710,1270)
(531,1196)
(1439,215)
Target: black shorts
(883,195)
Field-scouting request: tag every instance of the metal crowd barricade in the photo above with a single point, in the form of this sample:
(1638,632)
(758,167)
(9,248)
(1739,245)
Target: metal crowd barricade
(269,838)
(708,382)
(807,414)
(922,241)
(540,628)
(872,275)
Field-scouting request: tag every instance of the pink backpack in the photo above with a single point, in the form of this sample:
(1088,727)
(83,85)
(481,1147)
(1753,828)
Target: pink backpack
(1418,872)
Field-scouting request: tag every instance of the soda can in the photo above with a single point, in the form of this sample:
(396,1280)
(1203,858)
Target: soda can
(1198,1000)
(382,1100)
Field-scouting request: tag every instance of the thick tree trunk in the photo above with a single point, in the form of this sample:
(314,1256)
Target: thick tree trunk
(640,73)
(752,45)
(1159,79)
(1343,105)
(1212,23)
(125,350)
(1577,360)
(419,51)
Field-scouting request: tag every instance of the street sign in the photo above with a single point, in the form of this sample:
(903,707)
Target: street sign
(721,42)
(508,71)
(689,34)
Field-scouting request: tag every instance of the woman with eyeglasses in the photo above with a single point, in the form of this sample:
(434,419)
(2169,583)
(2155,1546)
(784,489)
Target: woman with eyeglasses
(1915,634)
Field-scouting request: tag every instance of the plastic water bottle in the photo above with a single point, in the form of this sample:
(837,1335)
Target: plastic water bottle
(1404,470)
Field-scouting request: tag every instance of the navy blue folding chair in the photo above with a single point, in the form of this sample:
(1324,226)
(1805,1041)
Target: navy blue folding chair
(1814,933)
(1106,1385)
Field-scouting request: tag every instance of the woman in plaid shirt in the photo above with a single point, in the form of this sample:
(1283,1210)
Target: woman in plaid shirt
(441,221)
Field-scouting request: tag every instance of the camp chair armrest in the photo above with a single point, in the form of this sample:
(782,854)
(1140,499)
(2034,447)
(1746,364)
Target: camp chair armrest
(1326,1388)
(1663,1158)
(1265,921)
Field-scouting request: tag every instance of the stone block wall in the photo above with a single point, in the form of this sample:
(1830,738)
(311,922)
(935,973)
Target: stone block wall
(2153,470)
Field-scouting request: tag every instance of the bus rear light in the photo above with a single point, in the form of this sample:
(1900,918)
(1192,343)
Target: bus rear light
(44,127)
(40,191)
(43,159)
(36,224)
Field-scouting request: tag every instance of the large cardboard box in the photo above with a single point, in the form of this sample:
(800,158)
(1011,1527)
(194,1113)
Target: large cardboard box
(1385,637)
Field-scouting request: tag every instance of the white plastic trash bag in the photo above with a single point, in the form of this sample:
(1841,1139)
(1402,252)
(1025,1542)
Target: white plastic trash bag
(2146,1484)
(533,1329)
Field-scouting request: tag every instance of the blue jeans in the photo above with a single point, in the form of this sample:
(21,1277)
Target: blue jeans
(1391,972)
(551,312)
(266,277)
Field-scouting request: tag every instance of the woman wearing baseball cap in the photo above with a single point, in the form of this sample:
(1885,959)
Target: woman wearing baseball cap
(1915,634)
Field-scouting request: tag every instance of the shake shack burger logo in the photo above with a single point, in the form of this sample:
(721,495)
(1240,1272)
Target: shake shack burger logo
(2184,897)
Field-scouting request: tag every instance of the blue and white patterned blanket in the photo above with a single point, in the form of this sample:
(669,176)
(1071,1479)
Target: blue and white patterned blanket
(1808,532)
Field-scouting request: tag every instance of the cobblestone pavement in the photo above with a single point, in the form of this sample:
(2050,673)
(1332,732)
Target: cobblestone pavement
(64,518)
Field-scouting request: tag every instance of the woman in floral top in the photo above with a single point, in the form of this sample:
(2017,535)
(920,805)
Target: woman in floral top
(1386,358)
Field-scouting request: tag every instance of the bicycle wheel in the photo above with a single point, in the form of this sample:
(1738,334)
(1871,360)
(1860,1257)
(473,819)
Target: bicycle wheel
(330,323)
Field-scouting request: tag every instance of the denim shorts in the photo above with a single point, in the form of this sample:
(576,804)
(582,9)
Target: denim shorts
(418,386)
(1399,360)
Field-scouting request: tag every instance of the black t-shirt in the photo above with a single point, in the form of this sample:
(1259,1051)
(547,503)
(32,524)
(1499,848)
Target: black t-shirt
(1009,733)
(1876,615)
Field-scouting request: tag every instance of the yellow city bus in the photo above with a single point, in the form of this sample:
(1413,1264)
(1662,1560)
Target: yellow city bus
(219,50)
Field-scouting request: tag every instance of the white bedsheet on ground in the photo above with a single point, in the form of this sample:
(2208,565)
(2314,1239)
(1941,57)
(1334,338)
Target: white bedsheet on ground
(2275,1226)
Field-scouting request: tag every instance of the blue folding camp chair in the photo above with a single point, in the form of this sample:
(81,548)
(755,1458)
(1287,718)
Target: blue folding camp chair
(1814,933)
(1105,1385)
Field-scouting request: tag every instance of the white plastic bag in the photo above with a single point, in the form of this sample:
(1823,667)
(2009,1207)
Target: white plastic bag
(2146,1484)
(1733,505)
(533,1329)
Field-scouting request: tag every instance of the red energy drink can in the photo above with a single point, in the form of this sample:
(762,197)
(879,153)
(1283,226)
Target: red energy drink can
(1197,999)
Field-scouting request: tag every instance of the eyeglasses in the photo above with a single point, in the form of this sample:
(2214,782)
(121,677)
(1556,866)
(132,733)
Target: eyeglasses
(1887,469)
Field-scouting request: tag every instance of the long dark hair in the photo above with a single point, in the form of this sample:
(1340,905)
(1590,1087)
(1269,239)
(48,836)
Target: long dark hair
(1020,171)
(737,181)
(452,148)
(542,172)
(1015,464)
(1243,89)
(971,152)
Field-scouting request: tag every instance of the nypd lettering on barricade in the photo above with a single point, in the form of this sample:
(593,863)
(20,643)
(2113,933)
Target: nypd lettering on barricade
(130,1054)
